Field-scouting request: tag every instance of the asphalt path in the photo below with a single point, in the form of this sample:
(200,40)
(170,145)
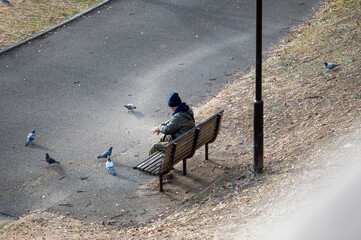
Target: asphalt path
(71,87)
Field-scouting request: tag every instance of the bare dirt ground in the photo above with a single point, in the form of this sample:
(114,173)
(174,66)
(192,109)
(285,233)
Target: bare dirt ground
(306,107)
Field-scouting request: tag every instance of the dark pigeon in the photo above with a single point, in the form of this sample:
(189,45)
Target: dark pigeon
(106,153)
(50,160)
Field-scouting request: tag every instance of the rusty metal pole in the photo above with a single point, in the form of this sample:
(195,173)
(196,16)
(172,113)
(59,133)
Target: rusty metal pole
(258,103)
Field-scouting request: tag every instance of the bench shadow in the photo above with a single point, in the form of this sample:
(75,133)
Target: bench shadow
(178,180)
(40,147)
(195,179)
(216,163)
(122,177)
(169,195)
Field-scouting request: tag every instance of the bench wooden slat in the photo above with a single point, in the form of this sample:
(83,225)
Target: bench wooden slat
(155,169)
(182,137)
(183,152)
(145,165)
(218,126)
(203,140)
(151,165)
(151,159)
(208,130)
(168,151)
(182,141)
(167,163)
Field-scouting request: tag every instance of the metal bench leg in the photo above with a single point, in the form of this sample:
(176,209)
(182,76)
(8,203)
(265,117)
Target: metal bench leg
(206,151)
(184,167)
(160,183)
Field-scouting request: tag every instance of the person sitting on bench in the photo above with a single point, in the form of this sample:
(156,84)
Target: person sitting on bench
(182,120)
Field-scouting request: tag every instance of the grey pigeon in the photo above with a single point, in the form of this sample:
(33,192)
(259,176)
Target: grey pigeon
(106,153)
(130,107)
(31,137)
(50,160)
(110,165)
(330,65)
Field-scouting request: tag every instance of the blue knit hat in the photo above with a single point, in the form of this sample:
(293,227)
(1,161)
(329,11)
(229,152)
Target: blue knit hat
(174,100)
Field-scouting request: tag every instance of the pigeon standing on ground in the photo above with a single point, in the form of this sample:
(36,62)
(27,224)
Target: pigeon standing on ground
(106,153)
(130,107)
(330,65)
(110,165)
(50,160)
(31,137)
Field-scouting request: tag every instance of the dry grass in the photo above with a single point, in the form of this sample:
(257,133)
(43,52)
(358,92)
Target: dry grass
(22,19)
(304,101)
(305,106)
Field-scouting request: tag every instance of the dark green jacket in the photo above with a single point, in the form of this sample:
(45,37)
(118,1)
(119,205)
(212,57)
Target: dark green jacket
(180,123)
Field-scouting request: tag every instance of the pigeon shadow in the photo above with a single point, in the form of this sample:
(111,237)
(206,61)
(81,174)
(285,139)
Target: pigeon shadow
(57,168)
(138,115)
(120,165)
(40,147)
(123,177)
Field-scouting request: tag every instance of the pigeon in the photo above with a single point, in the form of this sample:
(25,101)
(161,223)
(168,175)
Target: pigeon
(130,107)
(110,165)
(106,153)
(31,137)
(5,1)
(330,65)
(50,160)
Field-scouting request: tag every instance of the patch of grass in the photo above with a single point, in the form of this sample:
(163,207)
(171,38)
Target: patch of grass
(22,19)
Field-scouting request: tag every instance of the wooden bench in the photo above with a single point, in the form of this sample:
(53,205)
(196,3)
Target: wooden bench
(182,148)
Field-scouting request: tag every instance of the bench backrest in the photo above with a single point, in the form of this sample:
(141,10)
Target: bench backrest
(209,129)
(177,150)
(185,146)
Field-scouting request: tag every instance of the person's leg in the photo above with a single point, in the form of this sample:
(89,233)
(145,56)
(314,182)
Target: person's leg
(160,146)
(157,147)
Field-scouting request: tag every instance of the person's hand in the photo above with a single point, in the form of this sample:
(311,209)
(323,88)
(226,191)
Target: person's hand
(155,130)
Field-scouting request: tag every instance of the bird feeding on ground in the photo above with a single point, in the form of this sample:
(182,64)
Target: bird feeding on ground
(106,153)
(130,107)
(50,160)
(110,166)
(331,65)
(31,137)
